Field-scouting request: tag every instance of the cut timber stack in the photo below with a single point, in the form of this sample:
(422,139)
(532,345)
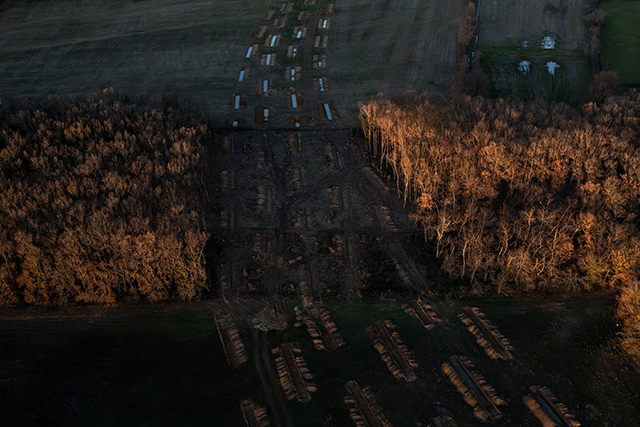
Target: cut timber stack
(322,329)
(423,311)
(473,387)
(394,353)
(362,407)
(548,409)
(254,416)
(231,340)
(293,372)
(487,336)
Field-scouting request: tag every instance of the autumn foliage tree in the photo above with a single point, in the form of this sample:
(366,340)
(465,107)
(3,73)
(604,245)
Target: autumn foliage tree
(97,203)
(516,196)
(628,311)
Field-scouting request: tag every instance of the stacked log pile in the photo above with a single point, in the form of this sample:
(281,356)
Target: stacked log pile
(362,407)
(548,409)
(293,372)
(322,329)
(423,311)
(474,389)
(487,335)
(254,416)
(444,422)
(392,350)
(231,340)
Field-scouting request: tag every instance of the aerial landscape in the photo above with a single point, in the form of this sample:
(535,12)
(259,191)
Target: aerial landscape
(365,213)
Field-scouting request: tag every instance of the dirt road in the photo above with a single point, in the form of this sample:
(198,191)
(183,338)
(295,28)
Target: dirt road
(301,213)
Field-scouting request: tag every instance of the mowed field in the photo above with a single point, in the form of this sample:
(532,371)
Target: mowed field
(511,31)
(165,365)
(198,47)
(621,40)
(144,47)
(393,47)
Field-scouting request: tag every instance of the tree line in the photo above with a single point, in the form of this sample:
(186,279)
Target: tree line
(99,202)
(517,196)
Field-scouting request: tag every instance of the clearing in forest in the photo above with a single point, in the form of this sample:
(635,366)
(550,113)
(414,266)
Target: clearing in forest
(137,47)
(534,33)
(197,48)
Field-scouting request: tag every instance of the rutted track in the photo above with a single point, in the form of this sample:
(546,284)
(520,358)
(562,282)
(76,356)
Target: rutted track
(291,181)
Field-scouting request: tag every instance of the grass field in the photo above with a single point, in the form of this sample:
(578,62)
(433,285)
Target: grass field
(197,47)
(139,47)
(621,40)
(164,365)
(511,31)
(392,47)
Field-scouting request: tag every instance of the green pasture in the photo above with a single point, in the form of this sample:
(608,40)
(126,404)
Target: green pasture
(511,31)
(567,85)
(164,365)
(621,39)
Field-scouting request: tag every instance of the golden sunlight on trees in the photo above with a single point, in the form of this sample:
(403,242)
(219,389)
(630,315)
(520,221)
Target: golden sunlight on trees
(97,203)
(629,314)
(519,196)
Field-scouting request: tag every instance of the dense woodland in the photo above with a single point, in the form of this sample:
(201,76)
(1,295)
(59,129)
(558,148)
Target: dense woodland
(519,196)
(98,200)
(523,197)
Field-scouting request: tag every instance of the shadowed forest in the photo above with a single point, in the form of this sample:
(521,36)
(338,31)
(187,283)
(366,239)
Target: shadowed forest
(98,199)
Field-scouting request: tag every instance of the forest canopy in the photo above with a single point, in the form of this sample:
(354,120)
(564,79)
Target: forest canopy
(98,200)
(516,196)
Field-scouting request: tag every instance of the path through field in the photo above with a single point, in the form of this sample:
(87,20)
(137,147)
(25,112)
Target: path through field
(295,206)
